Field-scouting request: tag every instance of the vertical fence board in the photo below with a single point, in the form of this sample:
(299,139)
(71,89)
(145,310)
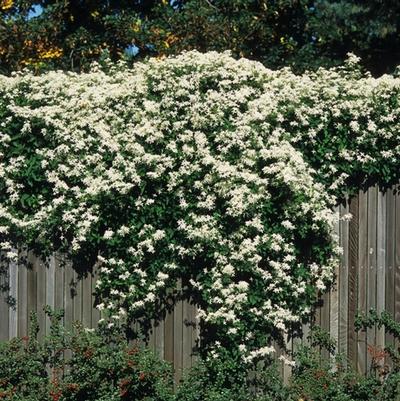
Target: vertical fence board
(334,293)
(195,333)
(352,281)
(41,294)
(32,284)
(159,338)
(77,299)
(95,311)
(343,280)
(186,335)
(326,305)
(390,262)
(169,337)
(50,287)
(397,263)
(381,264)
(59,284)
(4,307)
(22,296)
(287,370)
(362,278)
(69,293)
(87,300)
(13,311)
(178,340)
(372,267)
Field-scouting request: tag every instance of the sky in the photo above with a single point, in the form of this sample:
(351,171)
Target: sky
(36,11)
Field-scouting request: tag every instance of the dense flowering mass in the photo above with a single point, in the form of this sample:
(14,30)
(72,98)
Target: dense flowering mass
(203,168)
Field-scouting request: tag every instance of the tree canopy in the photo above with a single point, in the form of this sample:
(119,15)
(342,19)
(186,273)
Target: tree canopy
(69,34)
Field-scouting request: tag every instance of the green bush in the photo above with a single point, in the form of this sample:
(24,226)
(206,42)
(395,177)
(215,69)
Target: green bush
(80,365)
(99,365)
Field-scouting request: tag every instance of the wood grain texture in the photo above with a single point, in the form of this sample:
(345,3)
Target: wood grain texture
(381,267)
(4,307)
(69,293)
(352,280)
(178,337)
(50,287)
(363,271)
(87,300)
(390,262)
(169,337)
(22,296)
(31,285)
(41,295)
(333,314)
(370,291)
(397,263)
(13,293)
(342,285)
(187,329)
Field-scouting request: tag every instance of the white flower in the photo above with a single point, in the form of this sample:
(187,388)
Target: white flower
(242,286)
(108,234)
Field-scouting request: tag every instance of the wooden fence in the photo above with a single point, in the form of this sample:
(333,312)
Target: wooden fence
(368,277)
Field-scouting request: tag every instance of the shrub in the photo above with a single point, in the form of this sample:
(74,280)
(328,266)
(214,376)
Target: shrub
(80,365)
(222,379)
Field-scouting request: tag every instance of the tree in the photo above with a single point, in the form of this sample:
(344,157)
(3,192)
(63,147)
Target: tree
(303,34)
(67,34)
(370,28)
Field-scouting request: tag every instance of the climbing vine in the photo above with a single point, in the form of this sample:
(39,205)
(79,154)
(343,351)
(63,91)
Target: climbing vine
(201,168)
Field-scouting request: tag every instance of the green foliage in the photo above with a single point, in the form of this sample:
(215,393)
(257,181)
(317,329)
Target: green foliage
(98,365)
(302,34)
(137,168)
(315,378)
(368,27)
(80,365)
(222,379)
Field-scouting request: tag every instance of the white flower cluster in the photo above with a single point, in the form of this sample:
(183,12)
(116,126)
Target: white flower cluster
(199,166)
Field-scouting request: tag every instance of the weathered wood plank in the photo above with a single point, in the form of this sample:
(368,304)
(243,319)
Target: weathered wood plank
(87,300)
(287,369)
(32,285)
(390,262)
(397,263)
(159,338)
(195,334)
(77,299)
(325,321)
(95,311)
(50,287)
(59,286)
(363,267)
(22,297)
(178,339)
(41,295)
(69,294)
(381,264)
(372,266)
(333,314)
(352,280)
(13,310)
(187,329)
(343,281)
(4,307)
(169,337)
